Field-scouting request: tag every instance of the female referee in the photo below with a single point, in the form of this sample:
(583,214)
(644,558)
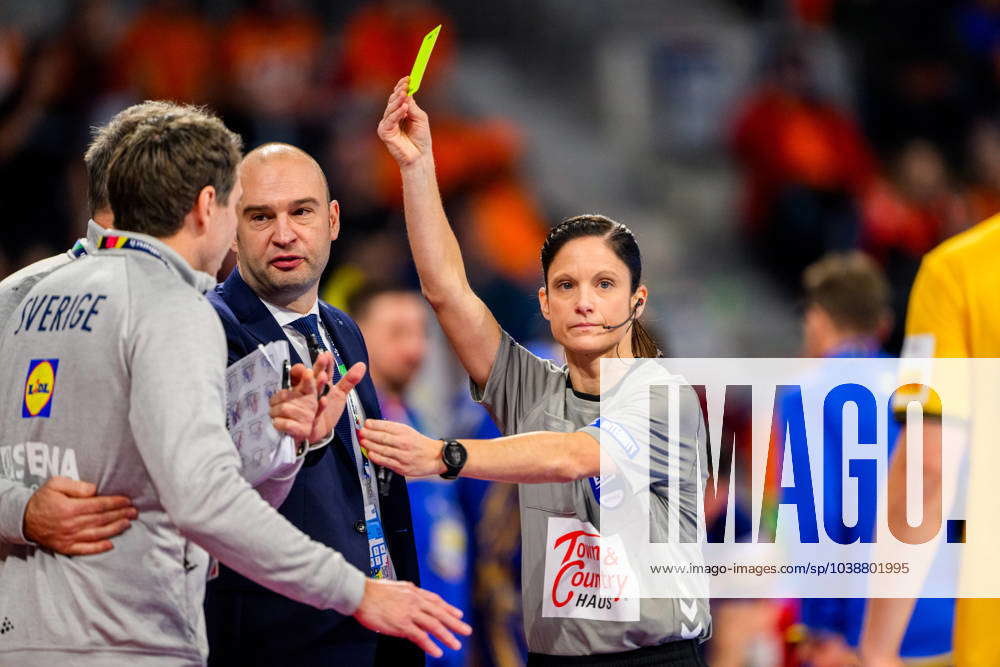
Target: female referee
(592,298)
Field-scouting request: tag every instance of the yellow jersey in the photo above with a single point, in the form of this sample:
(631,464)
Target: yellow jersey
(954,311)
(955,301)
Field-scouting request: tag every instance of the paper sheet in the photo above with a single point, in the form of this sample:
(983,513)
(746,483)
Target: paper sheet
(250,383)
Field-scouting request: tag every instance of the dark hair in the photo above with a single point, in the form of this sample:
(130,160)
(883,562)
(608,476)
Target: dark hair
(851,288)
(622,241)
(159,169)
(107,138)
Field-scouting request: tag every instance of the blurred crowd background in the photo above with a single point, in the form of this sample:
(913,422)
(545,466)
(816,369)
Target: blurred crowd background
(741,139)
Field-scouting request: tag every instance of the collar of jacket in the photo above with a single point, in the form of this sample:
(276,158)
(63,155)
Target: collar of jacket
(200,280)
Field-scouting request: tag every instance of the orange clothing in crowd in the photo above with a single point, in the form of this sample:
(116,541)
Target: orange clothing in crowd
(481,157)
(11,47)
(982,202)
(464,152)
(783,140)
(272,59)
(509,227)
(167,54)
(814,12)
(890,221)
(381,41)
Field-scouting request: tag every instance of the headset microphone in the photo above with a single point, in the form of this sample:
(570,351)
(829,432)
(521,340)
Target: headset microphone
(627,320)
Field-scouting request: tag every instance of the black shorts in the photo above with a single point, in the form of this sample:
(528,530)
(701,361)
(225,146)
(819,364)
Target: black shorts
(672,654)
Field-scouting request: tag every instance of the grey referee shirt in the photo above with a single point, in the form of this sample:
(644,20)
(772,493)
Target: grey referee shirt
(525,393)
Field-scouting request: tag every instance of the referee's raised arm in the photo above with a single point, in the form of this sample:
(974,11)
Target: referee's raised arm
(470,326)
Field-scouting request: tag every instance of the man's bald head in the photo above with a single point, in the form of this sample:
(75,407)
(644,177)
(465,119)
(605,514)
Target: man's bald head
(275,151)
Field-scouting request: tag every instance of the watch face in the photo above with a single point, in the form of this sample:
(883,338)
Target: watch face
(454,454)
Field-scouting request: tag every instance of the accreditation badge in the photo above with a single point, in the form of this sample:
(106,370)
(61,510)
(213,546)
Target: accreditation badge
(586,575)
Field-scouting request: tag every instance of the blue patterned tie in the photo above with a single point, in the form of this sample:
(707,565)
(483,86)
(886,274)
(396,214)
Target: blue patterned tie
(308,326)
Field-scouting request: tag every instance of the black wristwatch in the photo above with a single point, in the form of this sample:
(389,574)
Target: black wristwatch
(454,456)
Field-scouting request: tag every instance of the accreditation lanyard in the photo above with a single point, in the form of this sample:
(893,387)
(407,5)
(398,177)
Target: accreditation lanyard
(379,560)
(79,249)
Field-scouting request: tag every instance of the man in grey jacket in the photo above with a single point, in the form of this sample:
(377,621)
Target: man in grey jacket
(131,322)
(65,515)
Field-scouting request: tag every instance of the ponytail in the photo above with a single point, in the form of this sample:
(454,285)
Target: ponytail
(643,343)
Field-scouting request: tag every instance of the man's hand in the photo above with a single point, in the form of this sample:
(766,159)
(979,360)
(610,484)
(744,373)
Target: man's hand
(405,129)
(293,411)
(402,449)
(331,406)
(400,609)
(66,516)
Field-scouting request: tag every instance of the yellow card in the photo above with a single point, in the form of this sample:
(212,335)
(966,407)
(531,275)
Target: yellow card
(420,64)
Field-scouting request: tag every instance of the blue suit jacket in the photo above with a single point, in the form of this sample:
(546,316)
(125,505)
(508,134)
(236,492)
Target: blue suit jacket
(250,625)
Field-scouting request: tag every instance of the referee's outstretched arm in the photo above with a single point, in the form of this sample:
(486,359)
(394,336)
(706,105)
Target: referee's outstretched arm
(470,326)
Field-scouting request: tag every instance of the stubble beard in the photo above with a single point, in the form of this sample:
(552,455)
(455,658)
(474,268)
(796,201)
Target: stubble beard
(277,285)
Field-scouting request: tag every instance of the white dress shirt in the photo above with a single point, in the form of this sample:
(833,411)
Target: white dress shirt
(284,317)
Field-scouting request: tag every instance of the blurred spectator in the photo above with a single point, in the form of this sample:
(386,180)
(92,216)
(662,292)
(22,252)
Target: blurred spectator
(394,324)
(911,71)
(977,25)
(467,153)
(744,631)
(43,129)
(915,209)
(813,12)
(379,257)
(909,214)
(982,197)
(846,307)
(270,53)
(847,315)
(490,207)
(382,38)
(805,164)
(491,210)
(11,59)
(168,53)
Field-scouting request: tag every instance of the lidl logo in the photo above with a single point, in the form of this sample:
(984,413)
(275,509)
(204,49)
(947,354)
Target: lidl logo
(39,388)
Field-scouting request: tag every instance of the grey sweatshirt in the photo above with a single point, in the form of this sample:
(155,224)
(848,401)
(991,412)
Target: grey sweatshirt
(14,497)
(112,371)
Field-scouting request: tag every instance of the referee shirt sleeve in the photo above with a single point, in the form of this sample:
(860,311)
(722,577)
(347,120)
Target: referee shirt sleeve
(518,382)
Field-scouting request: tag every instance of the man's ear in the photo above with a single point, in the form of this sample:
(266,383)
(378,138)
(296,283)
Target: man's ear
(334,220)
(204,207)
(543,302)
